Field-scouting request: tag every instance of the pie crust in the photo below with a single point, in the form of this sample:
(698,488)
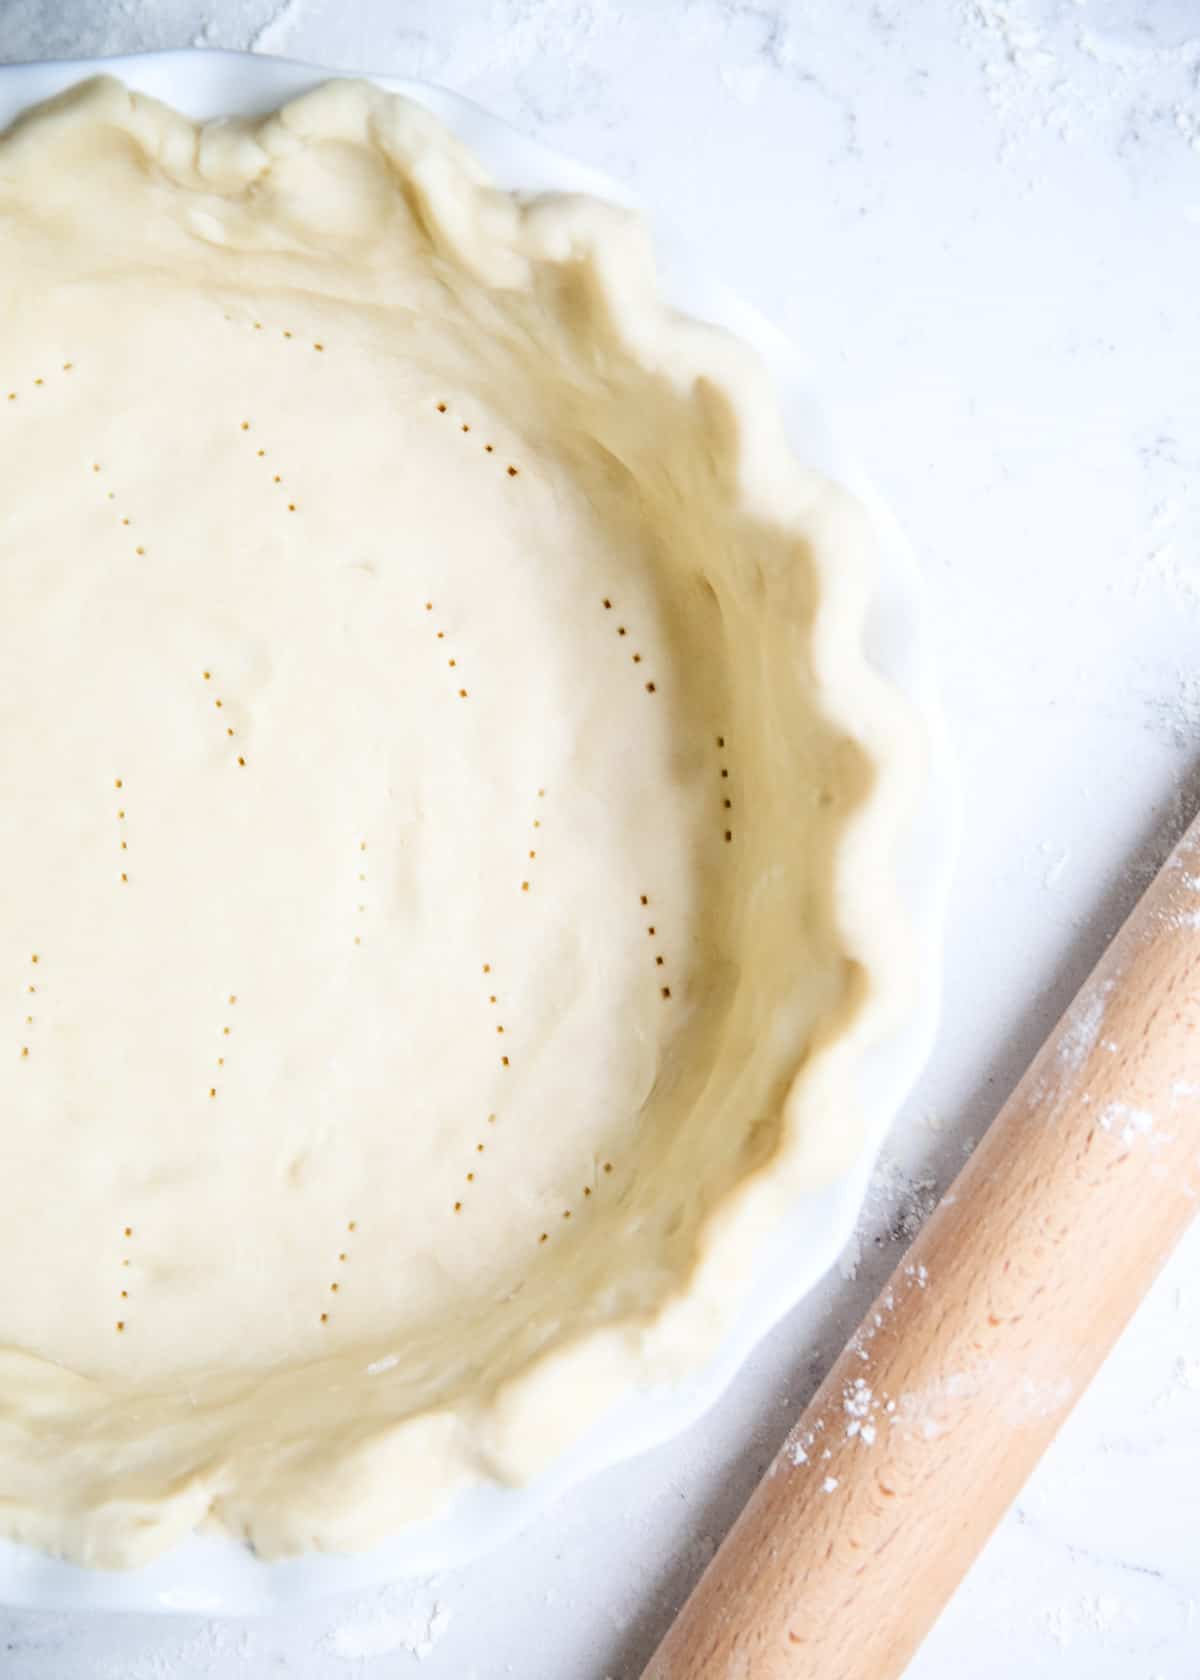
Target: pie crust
(447,886)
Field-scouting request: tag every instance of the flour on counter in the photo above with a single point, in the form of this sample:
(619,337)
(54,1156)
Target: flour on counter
(1058,73)
(904,1201)
(1176,716)
(1172,563)
(697,1555)
(1058,858)
(255,26)
(390,1624)
(270,36)
(1187,1373)
(895,1208)
(851,1258)
(1189,702)
(1094,1613)
(218,1649)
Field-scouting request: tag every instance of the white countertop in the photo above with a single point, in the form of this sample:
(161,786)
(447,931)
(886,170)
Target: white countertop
(981,219)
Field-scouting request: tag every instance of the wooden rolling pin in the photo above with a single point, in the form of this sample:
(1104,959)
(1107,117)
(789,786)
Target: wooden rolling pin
(984,1338)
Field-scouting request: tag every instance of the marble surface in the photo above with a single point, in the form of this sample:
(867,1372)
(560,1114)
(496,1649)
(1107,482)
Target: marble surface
(981,219)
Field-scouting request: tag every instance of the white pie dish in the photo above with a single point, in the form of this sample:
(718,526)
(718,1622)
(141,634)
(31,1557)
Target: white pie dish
(215,1575)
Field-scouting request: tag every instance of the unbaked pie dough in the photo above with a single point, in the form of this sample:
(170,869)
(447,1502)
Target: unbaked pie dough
(446,816)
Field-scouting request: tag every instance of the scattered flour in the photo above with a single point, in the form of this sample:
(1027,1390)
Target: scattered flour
(698,1554)
(1189,701)
(1053,71)
(1058,858)
(895,1208)
(744,81)
(901,1200)
(1187,1373)
(219,1649)
(389,1625)
(1082,1028)
(1061,1624)
(1177,716)
(1128,1123)
(272,34)
(1172,563)
(1094,1613)
(859,1403)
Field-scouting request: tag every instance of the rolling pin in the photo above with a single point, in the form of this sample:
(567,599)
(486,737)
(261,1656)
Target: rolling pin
(982,1340)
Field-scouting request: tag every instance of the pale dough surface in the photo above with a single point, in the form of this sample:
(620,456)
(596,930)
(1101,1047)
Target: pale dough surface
(445,808)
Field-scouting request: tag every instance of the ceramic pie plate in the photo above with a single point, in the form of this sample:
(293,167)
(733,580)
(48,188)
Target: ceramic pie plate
(220,1575)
